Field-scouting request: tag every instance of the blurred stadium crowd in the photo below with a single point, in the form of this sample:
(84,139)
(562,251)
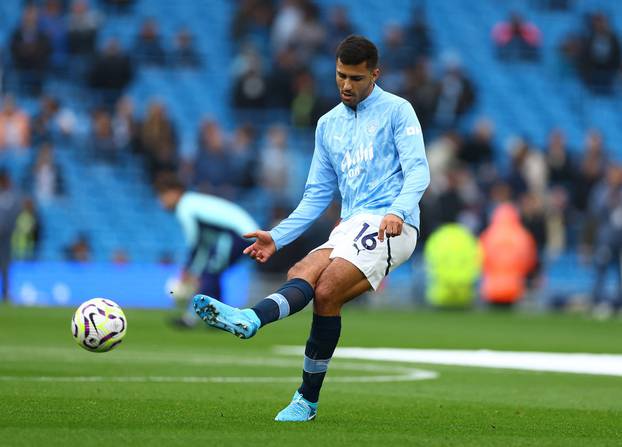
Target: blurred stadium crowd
(519,101)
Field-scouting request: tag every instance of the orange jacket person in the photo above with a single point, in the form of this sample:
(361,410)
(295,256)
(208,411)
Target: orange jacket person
(509,255)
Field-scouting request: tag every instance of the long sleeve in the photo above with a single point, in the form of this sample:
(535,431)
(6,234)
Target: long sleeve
(319,190)
(411,150)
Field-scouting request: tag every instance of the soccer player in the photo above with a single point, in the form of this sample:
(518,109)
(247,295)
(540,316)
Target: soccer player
(212,228)
(370,148)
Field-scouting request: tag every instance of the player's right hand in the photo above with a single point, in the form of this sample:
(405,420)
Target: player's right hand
(262,248)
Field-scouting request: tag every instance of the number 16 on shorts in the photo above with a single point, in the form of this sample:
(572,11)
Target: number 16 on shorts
(365,241)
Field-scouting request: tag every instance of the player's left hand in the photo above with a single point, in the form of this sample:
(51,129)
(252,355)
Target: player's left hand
(391,225)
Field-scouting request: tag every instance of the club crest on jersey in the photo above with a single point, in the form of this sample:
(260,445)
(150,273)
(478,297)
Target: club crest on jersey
(372,127)
(352,160)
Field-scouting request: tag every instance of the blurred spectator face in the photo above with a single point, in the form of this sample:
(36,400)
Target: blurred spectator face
(125,107)
(169,198)
(30,18)
(211,137)
(614,176)
(593,141)
(102,125)
(394,36)
(277,136)
(112,48)
(156,111)
(8,105)
(120,257)
(557,141)
(184,39)
(53,8)
(149,30)
(483,130)
(355,82)
(600,24)
(79,7)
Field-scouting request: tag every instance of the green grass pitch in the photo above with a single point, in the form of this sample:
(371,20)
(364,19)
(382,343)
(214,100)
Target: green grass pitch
(137,398)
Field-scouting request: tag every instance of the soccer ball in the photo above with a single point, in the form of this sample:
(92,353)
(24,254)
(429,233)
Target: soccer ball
(98,325)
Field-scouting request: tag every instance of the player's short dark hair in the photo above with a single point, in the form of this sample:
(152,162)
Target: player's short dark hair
(355,49)
(166,182)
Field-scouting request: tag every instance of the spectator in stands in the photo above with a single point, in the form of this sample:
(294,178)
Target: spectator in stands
(456,94)
(53,122)
(287,21)
(517,39)
(83,25)
(10,204)
(45,178)
(120,257)
(600,59)
(125,126)
(591,169)
(478,149)
(509,255)
(79,250)
(213,167)
(561,171)
(111,72)
(148,48)
(422,90)
(252,23)
(14,126)
(281,78)
(418,34)
(27,233)
(310,36)
(534,219)
(397,55)
(119,6)
(30,50)
(275,163)
(250,86)
(104,145)
(54,25)
(528,171)
(185,54)
(606,207)
(243,152)
(338,27)
(558,217)
(159,141)
(307,106)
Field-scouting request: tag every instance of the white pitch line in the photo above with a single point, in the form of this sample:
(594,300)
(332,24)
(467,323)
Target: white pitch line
(575,363)
(391,373)
(413,375)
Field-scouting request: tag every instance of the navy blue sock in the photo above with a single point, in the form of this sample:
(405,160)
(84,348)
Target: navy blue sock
(292,297)
(325,332)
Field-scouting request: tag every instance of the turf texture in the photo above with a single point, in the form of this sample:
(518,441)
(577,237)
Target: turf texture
(163,386)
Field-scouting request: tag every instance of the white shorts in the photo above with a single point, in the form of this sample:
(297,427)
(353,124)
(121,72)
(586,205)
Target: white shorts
(356,241)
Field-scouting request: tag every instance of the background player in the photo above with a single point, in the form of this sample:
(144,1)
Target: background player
(369,147)
(212,229)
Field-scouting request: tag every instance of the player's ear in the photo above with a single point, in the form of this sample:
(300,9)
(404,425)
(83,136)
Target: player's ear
(375,74)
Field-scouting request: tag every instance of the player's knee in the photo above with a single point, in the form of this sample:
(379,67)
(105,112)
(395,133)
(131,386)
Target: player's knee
(324,299)
(300,270)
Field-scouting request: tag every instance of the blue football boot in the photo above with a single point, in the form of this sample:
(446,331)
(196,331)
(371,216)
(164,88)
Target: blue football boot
(242,323)
(299,410)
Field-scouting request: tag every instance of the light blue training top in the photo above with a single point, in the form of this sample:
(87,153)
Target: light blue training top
(196,211)
(374,155)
